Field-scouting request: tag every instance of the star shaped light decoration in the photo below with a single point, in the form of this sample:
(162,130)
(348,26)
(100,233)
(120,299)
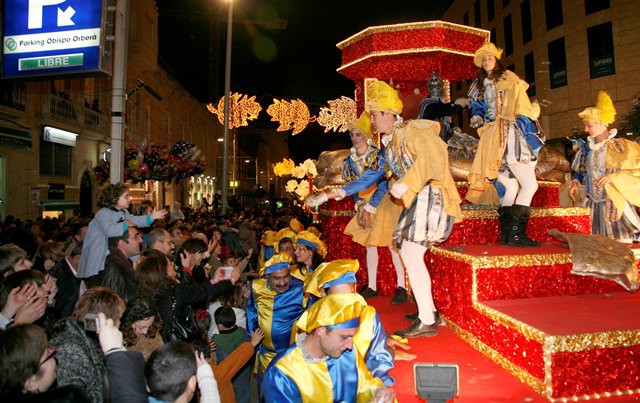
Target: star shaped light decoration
(292,115)
(242,108)
(337,116)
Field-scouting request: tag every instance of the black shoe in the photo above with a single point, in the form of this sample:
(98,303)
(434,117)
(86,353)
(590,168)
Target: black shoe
(519,220)
(368,293)
(417,329)
(411,316)
(400,297)
(414,316)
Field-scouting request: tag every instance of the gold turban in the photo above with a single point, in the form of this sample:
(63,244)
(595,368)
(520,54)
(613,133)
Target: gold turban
(381,97)
(488,49)
(275,263)
(268,238)
(312,241)
(363,124)
(296,225)
(604,112)
(283,233)
(335,309)
(329,272)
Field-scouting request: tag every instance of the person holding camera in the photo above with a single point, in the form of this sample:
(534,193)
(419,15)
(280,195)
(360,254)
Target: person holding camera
(80,359)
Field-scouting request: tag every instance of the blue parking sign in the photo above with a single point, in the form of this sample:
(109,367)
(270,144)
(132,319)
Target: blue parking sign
(51,37)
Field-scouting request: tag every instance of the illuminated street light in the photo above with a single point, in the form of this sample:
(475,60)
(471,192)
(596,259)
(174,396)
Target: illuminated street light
(227,90)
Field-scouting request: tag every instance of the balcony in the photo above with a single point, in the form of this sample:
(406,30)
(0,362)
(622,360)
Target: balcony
(62,109)
(13,94)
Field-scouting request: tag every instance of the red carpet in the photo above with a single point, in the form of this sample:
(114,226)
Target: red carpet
(480,379)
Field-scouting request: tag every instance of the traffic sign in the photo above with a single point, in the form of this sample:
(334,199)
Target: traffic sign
(53,37)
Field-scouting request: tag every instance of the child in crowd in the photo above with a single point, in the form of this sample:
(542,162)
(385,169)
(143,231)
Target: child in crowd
(111,220)
(233,350)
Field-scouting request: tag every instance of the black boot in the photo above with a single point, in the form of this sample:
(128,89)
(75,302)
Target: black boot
(519,219)
(504,213)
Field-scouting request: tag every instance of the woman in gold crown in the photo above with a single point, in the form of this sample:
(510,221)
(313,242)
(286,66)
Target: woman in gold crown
(610,170)
(510,138)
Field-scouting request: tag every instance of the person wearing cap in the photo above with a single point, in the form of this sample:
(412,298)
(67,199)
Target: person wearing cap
(285,242)
(365,176)
(609,168)
(323,365)
(419,178)
(339,276)
(310,250)
(275,303)
(503,170)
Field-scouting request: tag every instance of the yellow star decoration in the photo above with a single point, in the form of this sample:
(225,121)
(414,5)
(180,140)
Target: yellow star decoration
(291,115)
(241,109)
(338,115)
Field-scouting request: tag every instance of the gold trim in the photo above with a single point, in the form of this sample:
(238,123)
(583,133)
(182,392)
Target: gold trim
(337,213)
(488,213)
(503,319)
(413,26)
(525,377)
(490,262)
(589,341)
(402,52)
(541,184)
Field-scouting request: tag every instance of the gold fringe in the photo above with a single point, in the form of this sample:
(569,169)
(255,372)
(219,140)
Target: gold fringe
(489,262)
(337,213)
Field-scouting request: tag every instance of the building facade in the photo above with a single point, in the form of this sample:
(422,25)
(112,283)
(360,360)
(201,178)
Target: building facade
(34,170)
(567,50)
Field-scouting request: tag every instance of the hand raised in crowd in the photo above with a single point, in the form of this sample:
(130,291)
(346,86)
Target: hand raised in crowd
(257,336)
(50,286)
(200,360)
(212,245)
(184,259)
(156,215)
(109,335)
(235,275)
(17,299)
(32,310)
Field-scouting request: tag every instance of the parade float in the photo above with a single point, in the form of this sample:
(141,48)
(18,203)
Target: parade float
(567,334)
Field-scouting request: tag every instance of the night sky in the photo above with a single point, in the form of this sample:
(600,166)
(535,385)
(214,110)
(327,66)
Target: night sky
(295,57)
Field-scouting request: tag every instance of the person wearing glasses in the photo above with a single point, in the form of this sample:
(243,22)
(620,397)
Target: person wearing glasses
(160,239)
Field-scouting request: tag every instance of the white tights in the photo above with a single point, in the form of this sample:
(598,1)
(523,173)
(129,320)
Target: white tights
(412,255)
(519,190)
(372,266)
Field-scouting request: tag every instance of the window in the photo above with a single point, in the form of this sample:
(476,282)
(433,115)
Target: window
(491,10)
(465,18)
(593,6)
(530,73)
(55,159)
(508,35)
(525,16)
(553,13)
(601,58)
(476,13)
(558,66)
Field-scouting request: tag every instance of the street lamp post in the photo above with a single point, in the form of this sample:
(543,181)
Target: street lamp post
(227,89)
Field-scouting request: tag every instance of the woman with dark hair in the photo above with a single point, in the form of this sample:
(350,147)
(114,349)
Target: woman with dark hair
(141,326)
(510,139)
(13,258)
(112,220)
(189,257)
(80,359)
(157,281)
(28,367)
(310,251)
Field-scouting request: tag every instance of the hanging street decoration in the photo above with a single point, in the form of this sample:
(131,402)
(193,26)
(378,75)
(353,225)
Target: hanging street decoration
(290,114)
(242,108)
(338,115)
(305,171)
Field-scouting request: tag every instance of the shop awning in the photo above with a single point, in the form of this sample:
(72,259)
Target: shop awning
(15,137)
(53,205)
